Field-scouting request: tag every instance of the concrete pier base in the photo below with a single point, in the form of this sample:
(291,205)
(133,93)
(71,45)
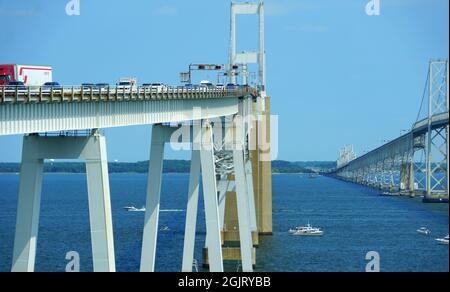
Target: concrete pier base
(92,149)
(229,254)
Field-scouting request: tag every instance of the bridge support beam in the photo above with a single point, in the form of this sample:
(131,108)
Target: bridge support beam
(262,171)
(92,149)
(202,160)
(213,238)
(160,135)
(191,213)
(243,202)
(407,177)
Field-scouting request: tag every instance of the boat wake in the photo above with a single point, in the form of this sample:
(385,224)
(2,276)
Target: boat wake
(134,209)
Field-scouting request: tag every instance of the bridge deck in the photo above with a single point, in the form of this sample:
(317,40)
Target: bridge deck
(74,108)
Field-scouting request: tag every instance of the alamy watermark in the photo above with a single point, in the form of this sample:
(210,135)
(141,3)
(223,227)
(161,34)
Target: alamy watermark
(248,132)
(373,264)
(373,8)
(73,266)
(73,8)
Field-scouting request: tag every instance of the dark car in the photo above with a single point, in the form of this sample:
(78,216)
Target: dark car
(231,86)
(88,86)
(52,86)
(14,85)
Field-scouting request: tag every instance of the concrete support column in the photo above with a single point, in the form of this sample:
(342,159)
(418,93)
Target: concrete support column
(100,213)
(92,149)
(150,235)
(251,196)
(242,194)
(27,221)
(191,213)
(265,224)
(412,178)
(214,241)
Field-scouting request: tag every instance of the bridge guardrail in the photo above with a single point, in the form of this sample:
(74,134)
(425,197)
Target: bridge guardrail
(38,94)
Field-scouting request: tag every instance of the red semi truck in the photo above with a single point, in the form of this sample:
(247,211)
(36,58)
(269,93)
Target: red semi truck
(30,75)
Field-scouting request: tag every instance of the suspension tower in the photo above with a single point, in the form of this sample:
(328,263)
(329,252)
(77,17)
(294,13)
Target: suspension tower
(257,154)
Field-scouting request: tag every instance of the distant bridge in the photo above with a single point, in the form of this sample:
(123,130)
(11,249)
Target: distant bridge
(394,166)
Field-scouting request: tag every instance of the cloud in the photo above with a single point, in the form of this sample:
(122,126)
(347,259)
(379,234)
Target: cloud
(307,28)
(166,10)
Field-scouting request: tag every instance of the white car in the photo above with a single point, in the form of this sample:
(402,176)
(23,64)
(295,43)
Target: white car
(206,83)
(158,87)
(124,85)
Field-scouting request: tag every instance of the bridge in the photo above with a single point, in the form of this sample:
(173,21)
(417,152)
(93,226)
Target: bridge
(225,128)
(417,162)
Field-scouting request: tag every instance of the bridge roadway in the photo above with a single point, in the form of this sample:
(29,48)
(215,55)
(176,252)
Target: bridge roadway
(37,110)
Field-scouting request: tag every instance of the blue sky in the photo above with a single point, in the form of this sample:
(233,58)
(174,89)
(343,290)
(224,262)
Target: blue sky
(335,75)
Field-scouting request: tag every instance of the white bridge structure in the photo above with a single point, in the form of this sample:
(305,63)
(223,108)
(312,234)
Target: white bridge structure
(236,179)
(416,162)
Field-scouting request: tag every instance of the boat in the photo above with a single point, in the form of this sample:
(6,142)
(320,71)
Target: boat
(423,230)
(307,230)
(164,228)
(443,241)
(134,209)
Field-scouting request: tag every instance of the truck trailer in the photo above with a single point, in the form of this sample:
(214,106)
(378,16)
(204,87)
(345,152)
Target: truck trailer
(30,75)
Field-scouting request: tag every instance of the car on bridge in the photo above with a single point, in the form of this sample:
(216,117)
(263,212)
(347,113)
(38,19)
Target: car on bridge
(102,87)
(190,86)
(16,85)
(88,86)
(232,86)
(125,85)
(206,83)
(158,87)
(51,86)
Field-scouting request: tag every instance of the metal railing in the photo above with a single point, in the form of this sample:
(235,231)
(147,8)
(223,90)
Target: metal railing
(45,94)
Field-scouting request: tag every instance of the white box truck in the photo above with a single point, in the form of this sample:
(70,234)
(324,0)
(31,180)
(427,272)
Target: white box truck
(30,75)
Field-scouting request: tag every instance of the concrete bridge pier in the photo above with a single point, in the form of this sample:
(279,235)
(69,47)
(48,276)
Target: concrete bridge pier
(90,148)
(202,161)
(407,178)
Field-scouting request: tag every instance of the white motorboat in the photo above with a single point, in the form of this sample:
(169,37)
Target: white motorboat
(307,230)
(424,230)
(134,209)
(443,241)
(164,228)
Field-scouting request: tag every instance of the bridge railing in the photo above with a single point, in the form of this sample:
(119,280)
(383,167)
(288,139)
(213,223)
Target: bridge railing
(77,93)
